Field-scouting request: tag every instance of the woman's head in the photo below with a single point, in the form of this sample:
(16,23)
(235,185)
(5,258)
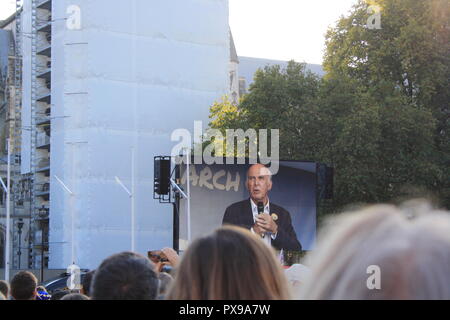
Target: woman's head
(409,249)
(229,264)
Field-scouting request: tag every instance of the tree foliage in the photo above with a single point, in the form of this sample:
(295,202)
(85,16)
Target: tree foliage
(407,57)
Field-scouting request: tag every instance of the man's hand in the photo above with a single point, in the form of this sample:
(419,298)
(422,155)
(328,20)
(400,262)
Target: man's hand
(258,230)
(266,223)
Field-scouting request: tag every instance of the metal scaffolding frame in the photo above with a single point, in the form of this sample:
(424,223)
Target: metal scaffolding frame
(27,187)
(15,125)
(34,225)
(39,222)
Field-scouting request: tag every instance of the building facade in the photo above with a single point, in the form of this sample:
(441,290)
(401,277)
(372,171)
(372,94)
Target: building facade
(104,85)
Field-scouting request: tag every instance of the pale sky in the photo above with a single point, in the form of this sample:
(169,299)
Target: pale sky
(273,29)
(7,7)
(284,29)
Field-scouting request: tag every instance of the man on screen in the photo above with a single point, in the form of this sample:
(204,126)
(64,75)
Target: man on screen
(271,222)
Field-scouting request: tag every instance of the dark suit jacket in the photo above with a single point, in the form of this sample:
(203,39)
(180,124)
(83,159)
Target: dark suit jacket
(240,214)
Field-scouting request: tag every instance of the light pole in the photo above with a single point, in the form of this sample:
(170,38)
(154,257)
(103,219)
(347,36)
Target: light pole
(188,159)
(72,215)
(131,194)
(6,188)
(19,253)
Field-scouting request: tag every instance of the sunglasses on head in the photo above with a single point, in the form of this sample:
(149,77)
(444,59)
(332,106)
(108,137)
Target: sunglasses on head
(157,258)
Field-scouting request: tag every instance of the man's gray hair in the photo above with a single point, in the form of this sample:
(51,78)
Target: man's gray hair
(269,173)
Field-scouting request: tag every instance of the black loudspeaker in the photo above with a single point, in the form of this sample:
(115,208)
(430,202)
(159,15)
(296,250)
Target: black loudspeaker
(329,185)
(325,177)
(162,175)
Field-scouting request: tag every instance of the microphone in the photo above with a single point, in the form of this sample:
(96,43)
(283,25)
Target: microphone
(260,207)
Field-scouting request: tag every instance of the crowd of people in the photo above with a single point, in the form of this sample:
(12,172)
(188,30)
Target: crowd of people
(409,245)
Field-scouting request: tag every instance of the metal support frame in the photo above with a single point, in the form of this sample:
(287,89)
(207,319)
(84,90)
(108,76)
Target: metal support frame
(34,34)
(15,119)
(176,193)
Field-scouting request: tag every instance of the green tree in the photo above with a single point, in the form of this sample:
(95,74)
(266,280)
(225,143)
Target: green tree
(409,55)
(410,50)
(379,149)
(283,99)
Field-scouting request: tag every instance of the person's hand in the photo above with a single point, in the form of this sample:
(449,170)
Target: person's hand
(158,266)
(171,255)
(258,230)
(266,223)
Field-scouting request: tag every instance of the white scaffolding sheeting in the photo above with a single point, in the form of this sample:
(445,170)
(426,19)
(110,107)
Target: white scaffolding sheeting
(133,73)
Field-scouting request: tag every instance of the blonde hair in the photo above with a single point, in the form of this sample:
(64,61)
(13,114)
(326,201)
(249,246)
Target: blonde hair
(411,247)
(229,264)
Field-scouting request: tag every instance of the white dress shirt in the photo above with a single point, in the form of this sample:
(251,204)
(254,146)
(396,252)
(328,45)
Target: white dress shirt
(268,237)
